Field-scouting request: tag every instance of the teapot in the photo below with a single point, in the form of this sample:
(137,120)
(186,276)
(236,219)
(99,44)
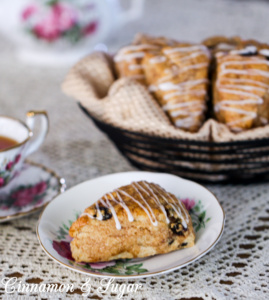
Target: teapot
(50,32)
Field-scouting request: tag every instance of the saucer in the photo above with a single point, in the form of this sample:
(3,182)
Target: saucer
(31,189)
(206,212)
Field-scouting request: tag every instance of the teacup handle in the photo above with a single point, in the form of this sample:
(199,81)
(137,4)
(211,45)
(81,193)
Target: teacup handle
(31,117)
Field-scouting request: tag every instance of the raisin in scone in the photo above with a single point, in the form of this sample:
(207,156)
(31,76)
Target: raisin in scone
(137,220)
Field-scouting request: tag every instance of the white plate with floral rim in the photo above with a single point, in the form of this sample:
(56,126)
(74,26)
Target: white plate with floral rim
(207,215)
(31,189)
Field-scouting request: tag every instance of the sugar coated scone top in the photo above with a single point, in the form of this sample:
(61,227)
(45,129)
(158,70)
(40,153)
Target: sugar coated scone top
(136,220)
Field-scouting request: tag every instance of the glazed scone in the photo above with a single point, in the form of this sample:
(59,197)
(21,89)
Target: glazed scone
(137,220)
(241,88)
(128,61)
(178,77)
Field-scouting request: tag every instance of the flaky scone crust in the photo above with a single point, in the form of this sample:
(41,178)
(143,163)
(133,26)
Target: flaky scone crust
(95,240)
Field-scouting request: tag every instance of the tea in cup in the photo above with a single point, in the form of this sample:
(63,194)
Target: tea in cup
(17,141)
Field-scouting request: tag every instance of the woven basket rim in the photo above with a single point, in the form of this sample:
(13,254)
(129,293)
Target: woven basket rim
(260,142)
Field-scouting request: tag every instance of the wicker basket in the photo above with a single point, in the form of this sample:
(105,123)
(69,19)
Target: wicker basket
(132,119)
(240,161)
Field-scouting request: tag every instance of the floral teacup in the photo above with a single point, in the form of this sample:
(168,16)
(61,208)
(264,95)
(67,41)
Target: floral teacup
(11,159)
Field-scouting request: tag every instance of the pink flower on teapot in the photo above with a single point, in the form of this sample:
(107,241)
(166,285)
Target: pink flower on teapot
(57,20)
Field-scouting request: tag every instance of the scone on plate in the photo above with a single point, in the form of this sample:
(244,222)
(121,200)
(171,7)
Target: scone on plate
(178,77)
(241,87)
(137,220)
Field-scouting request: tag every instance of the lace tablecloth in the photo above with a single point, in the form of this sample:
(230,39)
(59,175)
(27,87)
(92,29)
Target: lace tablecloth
(237,268)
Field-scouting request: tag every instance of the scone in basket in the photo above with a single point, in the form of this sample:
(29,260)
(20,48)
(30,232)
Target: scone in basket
(130,116)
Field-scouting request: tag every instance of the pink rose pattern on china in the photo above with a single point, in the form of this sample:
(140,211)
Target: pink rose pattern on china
(2,181)
(189,203)
(5,173)
(58,19)
(64,250)
(25,195)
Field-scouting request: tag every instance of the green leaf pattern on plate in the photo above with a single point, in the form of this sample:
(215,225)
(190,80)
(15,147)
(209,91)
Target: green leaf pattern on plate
(198,216)
(118,267)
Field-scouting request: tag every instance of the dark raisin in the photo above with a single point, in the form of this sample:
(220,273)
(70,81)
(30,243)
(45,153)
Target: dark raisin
(249,51)
(105,213)
(184,244)
(249,54)
(176,227)
(171,242)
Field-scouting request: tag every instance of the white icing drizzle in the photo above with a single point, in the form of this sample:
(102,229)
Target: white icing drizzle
(247,72)
(100,217)
(135,67)
(264,52)
(193,55)
(155,223)
(183,108)
(151,215)
(157,59)
(129,56)
(247,50)
(251,94)
(157,201)
(187,49)
(245,80)
(178,212)
(141,188)
(175,200)
(245,87)
(190,67)
(122,203)
(178,93)
(131,52)
(167,86)
(118,225)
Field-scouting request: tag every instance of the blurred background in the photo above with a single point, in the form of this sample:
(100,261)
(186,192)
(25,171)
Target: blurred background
(41,39)
(37,30)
